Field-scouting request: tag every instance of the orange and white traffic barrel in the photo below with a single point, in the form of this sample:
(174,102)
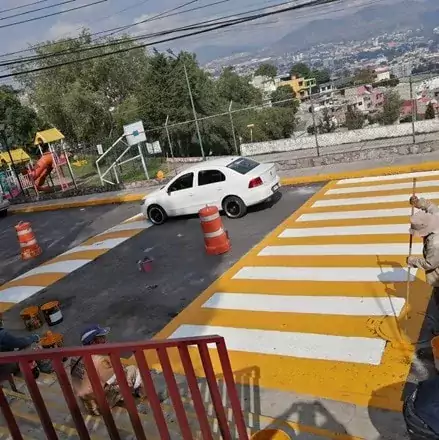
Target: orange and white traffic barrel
(28,243)
(216,239)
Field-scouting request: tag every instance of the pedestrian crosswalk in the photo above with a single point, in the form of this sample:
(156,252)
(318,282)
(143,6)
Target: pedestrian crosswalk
(307,306)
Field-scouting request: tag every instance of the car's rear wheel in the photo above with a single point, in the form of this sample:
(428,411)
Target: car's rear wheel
(234,207)
(157,214)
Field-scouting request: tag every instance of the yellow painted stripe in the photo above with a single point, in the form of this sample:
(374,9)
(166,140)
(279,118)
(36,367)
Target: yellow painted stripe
(314,288)
(364,207)
(5,306)
(385,171)
(286,322)
(345,239)
(66,204)
(385,262)
(44,279)
(80,255)
(107,235)
(395,192)
(349,184)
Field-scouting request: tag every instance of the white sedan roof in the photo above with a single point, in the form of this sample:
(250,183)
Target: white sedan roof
(220,162)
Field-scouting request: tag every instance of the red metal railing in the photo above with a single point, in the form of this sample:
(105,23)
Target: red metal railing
(115,352)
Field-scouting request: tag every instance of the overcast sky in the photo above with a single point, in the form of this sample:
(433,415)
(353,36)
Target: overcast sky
(113,13)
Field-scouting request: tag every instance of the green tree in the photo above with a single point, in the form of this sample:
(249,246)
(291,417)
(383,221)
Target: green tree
(267,70)
(321,76)
(282,93)
(391,108)
(20,122)
(233,87)
(77,98)
(364,76)
(354,118)
(326,124)
(429,111)
(300,70)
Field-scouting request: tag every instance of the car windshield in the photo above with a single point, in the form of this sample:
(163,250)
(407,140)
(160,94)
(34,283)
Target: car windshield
(243,165)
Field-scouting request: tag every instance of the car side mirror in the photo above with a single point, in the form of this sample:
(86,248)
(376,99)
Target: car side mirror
(169,191)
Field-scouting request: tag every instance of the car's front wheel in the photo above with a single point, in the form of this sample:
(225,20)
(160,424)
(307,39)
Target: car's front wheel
(234,207)
(156,214)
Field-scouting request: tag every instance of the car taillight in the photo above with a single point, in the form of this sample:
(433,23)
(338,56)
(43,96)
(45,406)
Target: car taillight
(257,181)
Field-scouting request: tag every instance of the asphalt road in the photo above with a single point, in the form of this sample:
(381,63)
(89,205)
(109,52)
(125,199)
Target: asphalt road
(56,232)
(136,305)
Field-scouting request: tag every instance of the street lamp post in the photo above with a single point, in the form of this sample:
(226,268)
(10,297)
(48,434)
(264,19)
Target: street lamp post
(200,140)
(250,126)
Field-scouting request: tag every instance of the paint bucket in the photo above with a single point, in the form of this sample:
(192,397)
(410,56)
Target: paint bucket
(52,313)
(52,340)
(435,348)
(49,340)
(31,318)
(145,265)
(270,434)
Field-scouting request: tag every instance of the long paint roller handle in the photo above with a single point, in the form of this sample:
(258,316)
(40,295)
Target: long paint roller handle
(413,211)
(407,298)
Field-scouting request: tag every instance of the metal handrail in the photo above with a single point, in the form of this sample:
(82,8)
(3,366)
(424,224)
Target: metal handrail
(114,351)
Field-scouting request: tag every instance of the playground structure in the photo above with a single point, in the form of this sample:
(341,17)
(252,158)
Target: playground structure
(20,174)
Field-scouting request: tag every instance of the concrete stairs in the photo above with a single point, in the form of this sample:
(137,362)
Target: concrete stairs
(27,418)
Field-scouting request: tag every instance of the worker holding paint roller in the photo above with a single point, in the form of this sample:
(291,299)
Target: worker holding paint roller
(426,225)
(424,205)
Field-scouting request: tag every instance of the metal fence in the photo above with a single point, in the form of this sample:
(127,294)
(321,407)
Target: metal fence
(322,119)
(161,351)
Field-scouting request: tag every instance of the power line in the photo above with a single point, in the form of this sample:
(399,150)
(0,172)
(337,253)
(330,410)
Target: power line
(23,6)
(117,42)
(210,28)
(109,30)
(31,49)
(123,28)
(40,17)
(36,10)
(157,17)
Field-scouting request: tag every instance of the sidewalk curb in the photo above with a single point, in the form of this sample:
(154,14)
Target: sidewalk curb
(373,172)
(397,169)
(17,209)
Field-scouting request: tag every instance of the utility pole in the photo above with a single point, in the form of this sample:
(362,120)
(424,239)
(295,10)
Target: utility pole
(414,110)
(200,140)
(233,128)
(314,122)
(169,137)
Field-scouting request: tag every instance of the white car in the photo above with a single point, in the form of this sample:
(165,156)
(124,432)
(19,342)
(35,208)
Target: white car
(4,205)
(232,184)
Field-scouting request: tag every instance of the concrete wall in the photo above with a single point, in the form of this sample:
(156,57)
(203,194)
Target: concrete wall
(333,139)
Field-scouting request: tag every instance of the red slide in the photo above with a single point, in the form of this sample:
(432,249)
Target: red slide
(42,170)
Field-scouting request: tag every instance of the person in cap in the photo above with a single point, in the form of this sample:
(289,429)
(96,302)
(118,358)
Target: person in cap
(82,387)
(424,205)
(426,225)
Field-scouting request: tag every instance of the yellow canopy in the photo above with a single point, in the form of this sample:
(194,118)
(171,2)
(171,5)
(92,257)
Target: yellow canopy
(18,156)
(49,136)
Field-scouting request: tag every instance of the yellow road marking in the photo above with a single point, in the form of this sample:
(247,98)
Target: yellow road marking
(80,255)
(358,383)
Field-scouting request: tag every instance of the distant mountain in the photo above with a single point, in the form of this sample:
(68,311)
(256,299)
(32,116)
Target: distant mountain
(213,52)
(364,23)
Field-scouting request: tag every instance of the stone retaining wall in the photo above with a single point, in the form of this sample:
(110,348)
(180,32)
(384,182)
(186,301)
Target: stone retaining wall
(363,135)
(359,155)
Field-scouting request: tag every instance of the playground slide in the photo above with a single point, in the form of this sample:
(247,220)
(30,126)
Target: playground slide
(42,170)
